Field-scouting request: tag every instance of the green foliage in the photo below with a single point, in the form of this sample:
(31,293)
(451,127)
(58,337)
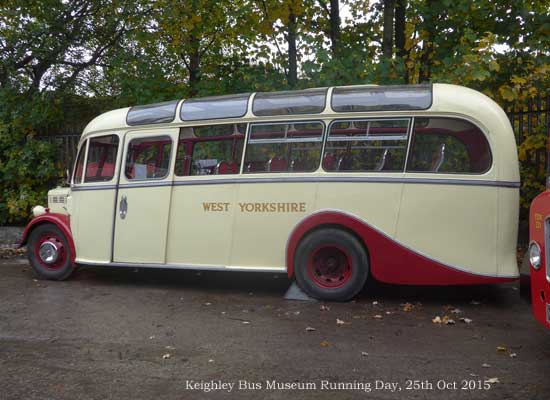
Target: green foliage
(27,171)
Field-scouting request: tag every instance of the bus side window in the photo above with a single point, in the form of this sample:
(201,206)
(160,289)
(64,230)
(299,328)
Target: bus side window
(284,147)
(79,164)
(148,158)
(102,152)
(448,145)
(366,145)
(210,150)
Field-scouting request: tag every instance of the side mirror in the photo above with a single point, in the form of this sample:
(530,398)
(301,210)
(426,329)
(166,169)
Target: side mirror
(67,177)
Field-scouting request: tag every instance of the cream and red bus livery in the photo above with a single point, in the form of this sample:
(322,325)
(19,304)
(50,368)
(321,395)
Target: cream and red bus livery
(405,184)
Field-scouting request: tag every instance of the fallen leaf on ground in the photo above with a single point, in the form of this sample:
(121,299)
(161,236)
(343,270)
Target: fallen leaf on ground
(246,322)
(388,312)
(310,329)
(502,349)
(448,321)
(170,348)
(377,316)
(166,356)
(407,307)
(207,304)
(513,355)
(210,361)
(152,337)
(324,343)
(437,319)
(492,380)
(466,320)
(485,365)
(340,321)
(364,353)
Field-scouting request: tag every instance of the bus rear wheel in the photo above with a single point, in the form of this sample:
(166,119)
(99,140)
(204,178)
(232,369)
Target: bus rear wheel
(331,264)
(49,253)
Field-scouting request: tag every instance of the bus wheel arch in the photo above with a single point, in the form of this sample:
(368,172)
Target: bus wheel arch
(328,257)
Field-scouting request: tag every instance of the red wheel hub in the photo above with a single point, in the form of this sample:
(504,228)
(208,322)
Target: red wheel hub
(50,251)
(329,266)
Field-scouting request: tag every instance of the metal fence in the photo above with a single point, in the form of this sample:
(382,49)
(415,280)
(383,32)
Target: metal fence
(533,118)
(66,148)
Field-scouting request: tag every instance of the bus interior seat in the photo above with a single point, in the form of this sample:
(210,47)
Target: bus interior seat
(438,158)
(329,161)
(221,168)
(276,165)
(224,168)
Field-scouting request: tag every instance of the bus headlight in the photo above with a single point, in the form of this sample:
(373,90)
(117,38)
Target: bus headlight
(38,211)
(534,255)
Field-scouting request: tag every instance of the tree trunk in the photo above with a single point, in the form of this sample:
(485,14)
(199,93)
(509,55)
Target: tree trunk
(335,27)
(387,38)
(400,6)
(426,58)
(292,54)
(427,45)
(194,72)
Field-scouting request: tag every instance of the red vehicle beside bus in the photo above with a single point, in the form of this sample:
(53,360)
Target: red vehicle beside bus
(539,256)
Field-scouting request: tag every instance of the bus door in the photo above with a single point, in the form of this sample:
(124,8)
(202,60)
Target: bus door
(143,199)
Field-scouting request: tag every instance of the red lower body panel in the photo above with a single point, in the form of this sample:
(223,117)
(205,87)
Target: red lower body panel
(390,261)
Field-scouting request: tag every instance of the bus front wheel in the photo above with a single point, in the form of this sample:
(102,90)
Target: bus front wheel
(49,253)
(331,264)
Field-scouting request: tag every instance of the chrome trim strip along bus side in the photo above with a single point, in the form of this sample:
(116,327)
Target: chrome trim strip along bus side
(304,179)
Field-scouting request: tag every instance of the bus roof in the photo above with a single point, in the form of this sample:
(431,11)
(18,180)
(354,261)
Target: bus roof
(309,103)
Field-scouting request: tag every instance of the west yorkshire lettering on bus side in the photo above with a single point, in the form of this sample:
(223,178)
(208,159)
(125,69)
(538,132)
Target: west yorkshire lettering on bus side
(259,207)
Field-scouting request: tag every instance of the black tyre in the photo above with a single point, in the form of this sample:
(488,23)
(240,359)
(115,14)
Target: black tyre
(49,253)
(331,264)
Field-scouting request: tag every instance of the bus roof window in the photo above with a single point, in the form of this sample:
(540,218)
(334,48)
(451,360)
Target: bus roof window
(309,101)
(157,113)
(382,98)
(215,107)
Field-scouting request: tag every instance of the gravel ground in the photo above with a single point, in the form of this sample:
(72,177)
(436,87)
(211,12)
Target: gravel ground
(126,334)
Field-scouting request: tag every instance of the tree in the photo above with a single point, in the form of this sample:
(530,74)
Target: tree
(387,42)
(334,30)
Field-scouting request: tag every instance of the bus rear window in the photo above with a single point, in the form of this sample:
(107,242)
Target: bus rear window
(448,145)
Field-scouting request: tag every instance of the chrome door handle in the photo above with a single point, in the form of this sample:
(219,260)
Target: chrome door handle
(123,207)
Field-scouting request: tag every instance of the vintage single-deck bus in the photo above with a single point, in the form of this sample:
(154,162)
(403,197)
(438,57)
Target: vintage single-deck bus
(405,184)
(539,256)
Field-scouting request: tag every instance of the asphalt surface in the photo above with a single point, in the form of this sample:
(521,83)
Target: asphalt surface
(150,334)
